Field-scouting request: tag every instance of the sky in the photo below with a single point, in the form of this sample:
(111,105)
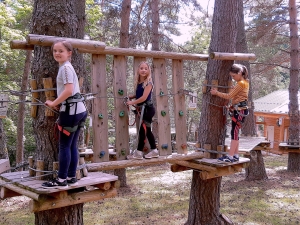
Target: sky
(186,30)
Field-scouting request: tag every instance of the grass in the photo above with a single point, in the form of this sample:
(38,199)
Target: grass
(155,195)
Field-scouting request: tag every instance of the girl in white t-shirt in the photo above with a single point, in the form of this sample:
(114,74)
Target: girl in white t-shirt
(72,115)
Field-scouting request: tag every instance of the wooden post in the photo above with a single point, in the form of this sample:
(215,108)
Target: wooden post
(179,106)
(31,163)
(121,112)
(35,95)
(84,170)
(50,95)
(219,149)
(99,115)
(39,166)
(55,168)
(163,116)
(207,147)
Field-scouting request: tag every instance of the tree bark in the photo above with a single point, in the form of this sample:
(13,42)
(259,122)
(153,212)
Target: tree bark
(124,38)
(3,147)
(63,19)
(256,169)
(61,216)
(294,88)
(212,126)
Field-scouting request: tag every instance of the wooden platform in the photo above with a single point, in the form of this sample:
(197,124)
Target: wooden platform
(247,144)
(286,148)
(211,168)
(95,186)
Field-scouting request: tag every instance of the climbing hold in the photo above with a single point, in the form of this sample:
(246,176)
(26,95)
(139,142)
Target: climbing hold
(183,146)
(100,116)
(163,113)
(180,113)
(123,151)
(122,113)
(164,146)
(161,93)
(121,92)
(102,154)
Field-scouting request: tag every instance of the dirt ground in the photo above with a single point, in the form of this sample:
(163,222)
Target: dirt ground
(157,196)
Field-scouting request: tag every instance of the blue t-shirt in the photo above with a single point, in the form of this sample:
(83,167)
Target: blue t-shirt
(140,91)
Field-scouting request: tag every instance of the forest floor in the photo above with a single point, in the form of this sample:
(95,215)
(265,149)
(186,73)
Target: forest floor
(157,196)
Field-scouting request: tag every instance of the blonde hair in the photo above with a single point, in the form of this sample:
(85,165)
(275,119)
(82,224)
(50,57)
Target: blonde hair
(137,76)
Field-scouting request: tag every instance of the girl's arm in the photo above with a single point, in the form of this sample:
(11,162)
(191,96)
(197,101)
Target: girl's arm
(67,92)
(143,98)
(230,95)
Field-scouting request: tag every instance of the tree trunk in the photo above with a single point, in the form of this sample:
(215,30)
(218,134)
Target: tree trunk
(205,194)
(21,114)
(64,19)
(205,211)
(3,148)
(294,87)
(256,169)
(248,128)
(61,216)
(124,37)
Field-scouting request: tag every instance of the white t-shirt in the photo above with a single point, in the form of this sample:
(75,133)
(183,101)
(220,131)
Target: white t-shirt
(67,75)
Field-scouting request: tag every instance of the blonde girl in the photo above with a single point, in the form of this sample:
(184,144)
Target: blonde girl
(143,93)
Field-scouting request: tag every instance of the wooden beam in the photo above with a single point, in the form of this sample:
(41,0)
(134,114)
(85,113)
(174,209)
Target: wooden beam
(232,56)
(22,191)
(196,166)
(178,168)
(147,53)
(121,51)
(7,193)
(112,165)
(44,40)
(221,171)
(72,199)
(16,44)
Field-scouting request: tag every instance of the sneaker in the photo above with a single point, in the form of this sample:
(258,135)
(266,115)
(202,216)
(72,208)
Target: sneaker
(225,158)
(55,183)
(236,158)
(72,181)
(136,155)
(153,154)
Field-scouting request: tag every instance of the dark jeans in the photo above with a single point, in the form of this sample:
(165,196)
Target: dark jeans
(68,153)
(145,131)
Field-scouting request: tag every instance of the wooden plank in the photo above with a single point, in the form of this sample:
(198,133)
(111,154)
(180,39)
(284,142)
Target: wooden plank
(99,115)
(163,116)
(179,106)
(121,112)
(4,165)
(72,199)
(144,162)
(232,56)
(216,163)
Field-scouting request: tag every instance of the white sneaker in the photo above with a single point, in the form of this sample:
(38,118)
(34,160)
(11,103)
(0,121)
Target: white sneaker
(136,155)
(153,154)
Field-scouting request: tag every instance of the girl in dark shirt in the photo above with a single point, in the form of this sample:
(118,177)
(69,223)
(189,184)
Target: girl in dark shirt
(143,84)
